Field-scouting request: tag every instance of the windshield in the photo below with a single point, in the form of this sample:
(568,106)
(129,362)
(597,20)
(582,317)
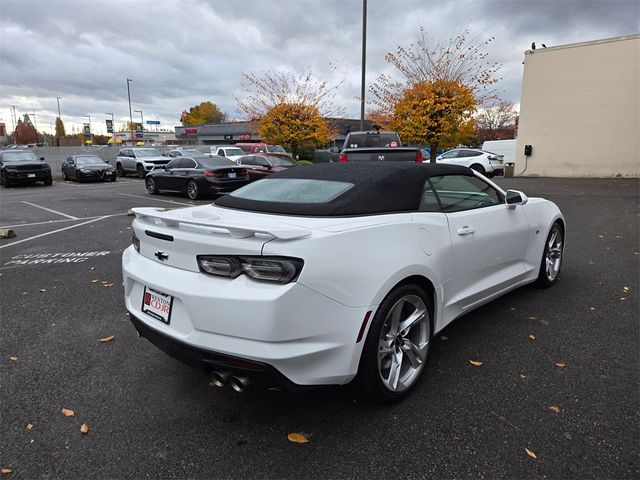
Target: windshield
(281,162)
(147,152)
(292,190)
(19,156)
(232,152)
(275,149)
(89,160)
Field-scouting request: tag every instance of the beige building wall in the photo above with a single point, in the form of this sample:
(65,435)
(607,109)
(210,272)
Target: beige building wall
(580,110)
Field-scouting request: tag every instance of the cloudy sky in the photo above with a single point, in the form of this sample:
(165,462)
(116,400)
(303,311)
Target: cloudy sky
(181,52)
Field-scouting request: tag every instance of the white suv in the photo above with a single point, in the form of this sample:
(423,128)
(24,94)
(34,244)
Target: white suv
(486,163)
(139,160)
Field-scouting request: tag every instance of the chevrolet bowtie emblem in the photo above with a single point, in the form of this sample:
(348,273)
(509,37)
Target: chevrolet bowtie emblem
(161,255)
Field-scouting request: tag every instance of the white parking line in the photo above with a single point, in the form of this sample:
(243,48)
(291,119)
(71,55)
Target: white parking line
(52,211)
(55,231)
(57,221)
(158,200)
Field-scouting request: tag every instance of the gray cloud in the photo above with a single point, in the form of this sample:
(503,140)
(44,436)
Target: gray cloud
(182,52)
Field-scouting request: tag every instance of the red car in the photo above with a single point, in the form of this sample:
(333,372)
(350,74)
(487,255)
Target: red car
(259,166)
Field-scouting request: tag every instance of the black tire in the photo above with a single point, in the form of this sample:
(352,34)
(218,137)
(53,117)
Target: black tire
(79,177)
(552,253)
(141,171)
(48,182)
(478,168)
(193,191)
(113,179)
(370,371)
(151,185)
(64,175)
(119,170)
(4,181)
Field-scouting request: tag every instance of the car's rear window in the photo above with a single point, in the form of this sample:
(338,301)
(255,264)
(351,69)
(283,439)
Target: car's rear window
(373,140)
(292,190)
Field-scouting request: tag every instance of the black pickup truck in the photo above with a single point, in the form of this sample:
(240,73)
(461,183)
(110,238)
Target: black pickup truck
(376,146)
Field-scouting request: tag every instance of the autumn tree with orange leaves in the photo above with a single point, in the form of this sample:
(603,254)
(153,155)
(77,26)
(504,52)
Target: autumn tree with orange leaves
(437,113)
(430,78)
(290,109)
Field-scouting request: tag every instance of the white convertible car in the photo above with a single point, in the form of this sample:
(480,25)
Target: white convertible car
(333,272)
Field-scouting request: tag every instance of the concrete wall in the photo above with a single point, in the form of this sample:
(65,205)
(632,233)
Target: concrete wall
(580,110)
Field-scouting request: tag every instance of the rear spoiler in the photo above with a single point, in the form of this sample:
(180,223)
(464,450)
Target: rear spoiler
(163,217)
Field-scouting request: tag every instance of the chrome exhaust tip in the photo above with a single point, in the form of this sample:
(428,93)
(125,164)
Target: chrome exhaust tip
(219,378)
(239,384)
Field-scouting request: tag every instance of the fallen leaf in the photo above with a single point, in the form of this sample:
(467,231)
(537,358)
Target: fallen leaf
(84,428)
(530,453)
(126,314)
(531,317)
(95,280)
(532,337)
(622,298)
(7,470)
(560,365)
(13,359)
(625,289)
(42,290)
(68,413)
(523,375)
(297,438)
(592,308)
(475,363)
(555,409)
(444,338)
(108,285)
(29,426)
(107,339)
(104,282)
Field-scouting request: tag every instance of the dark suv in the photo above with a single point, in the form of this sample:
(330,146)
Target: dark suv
(22,166)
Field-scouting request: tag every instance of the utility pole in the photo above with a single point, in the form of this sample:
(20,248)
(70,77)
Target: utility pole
(130,114)
(59,116)
(35,125)
(90,129)
(364,60)
(141,121)
(13,121)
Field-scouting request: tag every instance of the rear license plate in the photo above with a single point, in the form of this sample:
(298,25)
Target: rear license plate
(157,304)
(31,175)
(232,175)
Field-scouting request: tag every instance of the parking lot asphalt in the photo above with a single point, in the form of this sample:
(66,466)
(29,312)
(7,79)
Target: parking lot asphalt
(149,416)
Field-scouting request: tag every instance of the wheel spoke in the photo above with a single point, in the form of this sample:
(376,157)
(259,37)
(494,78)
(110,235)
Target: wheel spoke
(395,318)
(383,351)
(417,316)
(414,353)
(552,240)
(394,371)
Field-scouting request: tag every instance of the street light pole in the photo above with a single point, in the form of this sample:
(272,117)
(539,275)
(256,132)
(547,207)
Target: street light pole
(141,122)
(58,100)
(35,125)
(90,129)
(364,60)
(130,114)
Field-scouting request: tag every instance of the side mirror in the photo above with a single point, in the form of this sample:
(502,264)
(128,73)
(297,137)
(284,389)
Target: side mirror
(42,158)
(515,197)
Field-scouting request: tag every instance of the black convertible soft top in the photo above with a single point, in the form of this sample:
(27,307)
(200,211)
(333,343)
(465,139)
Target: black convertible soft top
(377,188)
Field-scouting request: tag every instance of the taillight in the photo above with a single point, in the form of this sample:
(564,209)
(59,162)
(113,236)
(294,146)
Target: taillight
(343,158)
(419,156)
(209,173)
(269,269)
(242,172)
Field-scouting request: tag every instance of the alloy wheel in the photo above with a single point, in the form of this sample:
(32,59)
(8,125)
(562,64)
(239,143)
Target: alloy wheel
(403,343)
(553,258)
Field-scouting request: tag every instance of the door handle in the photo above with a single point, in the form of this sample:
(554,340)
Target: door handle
(466,230)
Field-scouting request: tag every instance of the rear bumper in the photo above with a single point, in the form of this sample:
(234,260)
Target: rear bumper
(290,329)
(209,361)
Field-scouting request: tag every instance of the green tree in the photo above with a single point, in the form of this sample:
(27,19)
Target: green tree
(438,113)
(60,132)
(205,113)
(295,126)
